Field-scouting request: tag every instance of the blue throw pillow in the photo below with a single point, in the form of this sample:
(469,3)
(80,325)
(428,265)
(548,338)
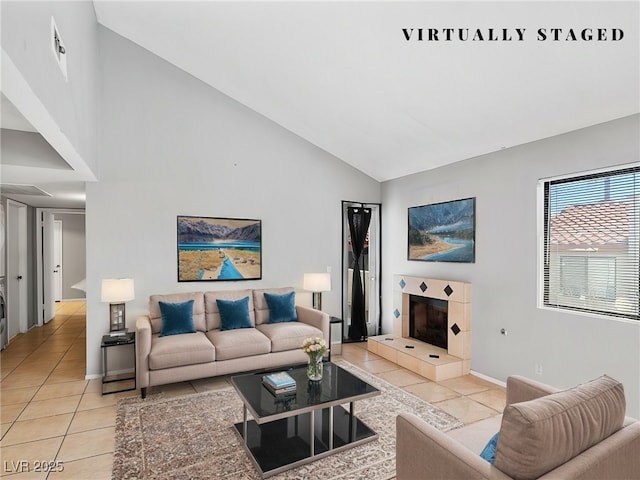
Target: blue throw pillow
(234,313)
(282,307)
(176,318)
(489,452)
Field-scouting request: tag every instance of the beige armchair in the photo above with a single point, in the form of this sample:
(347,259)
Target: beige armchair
(580,433)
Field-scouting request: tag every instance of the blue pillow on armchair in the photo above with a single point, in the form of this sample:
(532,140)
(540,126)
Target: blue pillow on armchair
(234,313)
(489,452)
(282,307)
(177,318)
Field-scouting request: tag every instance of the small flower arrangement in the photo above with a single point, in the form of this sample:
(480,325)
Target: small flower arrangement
(315,348)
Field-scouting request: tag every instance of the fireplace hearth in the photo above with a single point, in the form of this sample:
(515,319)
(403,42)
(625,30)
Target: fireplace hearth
(418,344)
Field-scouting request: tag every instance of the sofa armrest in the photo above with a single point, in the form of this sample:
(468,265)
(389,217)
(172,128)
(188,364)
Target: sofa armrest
(614,458)
(424,452)
(143,349)
(522,389)
(315,318)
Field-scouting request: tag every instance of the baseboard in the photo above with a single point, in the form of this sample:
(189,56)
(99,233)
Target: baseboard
(488,379)
(93,376)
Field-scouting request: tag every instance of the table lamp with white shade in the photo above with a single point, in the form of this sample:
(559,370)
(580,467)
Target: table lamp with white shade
(117,291)
(317,283)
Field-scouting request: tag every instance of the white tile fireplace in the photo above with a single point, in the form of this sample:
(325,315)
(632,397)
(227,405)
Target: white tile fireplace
(430,361)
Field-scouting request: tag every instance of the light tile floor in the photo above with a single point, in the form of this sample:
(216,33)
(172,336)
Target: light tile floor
(50,413)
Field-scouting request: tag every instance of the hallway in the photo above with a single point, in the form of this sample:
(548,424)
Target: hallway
(52,418)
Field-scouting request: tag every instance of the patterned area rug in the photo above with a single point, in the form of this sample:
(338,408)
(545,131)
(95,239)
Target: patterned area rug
(192,437)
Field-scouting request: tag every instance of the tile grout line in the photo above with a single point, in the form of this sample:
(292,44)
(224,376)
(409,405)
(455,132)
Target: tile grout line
(42,384)
(66,434)
(360,356)
(34,393)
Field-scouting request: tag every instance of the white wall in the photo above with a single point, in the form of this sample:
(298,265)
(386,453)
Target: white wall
(170,145)
(571,348)
(74,260)
(63,111)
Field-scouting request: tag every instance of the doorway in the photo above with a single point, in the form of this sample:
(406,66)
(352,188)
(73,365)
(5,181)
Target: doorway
(45,248)
(57,260)
(17,273)
(61,261)
(361,311)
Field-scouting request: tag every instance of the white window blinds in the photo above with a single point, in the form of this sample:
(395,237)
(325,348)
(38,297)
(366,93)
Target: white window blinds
(591,243)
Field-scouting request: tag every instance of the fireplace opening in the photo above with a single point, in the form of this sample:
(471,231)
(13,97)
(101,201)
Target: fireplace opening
(428,320)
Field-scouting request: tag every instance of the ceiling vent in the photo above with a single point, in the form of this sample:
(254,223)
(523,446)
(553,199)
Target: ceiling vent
(11,189)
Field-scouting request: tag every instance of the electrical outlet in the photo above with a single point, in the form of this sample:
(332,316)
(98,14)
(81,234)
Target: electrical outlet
(538,368)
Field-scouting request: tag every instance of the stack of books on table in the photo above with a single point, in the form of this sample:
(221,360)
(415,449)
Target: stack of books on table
(279,383)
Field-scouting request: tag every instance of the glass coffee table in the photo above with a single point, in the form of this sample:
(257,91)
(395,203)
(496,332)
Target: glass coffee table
(289,430)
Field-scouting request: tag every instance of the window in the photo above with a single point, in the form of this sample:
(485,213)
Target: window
(591,243)
(588,277)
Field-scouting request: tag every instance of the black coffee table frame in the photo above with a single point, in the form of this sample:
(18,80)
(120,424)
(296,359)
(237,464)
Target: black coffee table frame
(288,431)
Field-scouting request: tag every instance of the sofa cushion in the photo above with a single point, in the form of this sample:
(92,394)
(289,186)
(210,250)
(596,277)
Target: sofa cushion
(176,318)
(539,435)
(282,307)
(243,342)
(234,313)
(155,316)
(260,303)
(212,313)
(288,335)
(179,350)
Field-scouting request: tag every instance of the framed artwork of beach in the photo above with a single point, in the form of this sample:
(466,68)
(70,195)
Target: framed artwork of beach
(219,249)
(443,232)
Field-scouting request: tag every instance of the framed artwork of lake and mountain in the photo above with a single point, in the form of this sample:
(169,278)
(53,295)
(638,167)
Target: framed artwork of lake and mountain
(219,249)
(443,232)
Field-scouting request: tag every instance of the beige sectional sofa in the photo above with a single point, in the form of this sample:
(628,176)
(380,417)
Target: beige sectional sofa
(210,351)
(579,433)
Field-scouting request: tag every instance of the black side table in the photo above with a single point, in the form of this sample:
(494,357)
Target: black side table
(119,341)
(337,346)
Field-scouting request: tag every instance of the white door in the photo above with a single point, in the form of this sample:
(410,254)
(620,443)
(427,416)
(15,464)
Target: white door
(48,266)
(17,275)
(57,260)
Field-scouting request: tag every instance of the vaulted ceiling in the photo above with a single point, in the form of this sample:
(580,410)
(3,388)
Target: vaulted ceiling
(368,82)
(344,76)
